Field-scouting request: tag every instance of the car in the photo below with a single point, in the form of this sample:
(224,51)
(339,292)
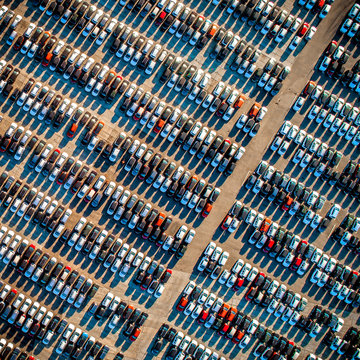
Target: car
(334,211)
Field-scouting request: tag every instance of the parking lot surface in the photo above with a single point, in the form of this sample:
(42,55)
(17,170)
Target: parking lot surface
(302,61)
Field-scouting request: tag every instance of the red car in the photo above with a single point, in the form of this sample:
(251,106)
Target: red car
(71,132)
(254,110)
(303,29)
(295,264)
(160,18)
(136,332)
(160,219)
(19,42)
(203,316)
(226,222)
(331,48)
(224,329)
(159,125)
(182,303)
(250,294)
(206,210)
(287,203)
(268,245)
(238,284)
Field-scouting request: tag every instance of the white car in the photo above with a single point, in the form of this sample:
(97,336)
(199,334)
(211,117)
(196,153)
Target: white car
(334,211)
(294,43)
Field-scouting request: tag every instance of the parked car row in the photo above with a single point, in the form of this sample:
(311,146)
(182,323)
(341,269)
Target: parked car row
(276,298)
(156,170)
(295,194)
(8,76)
(347,180)
(326,318)
(340,281)
(8,349)
(112,306)
(345,233)
(347,239)
(181,346)
(44,270)
(112,82)
(288,242)
(83,189)
(267,350)
(239,272)
(69,62)
(351,24)
(36,321)
(213,260)
(269,19)
(191,136)
(311,153)
(291,195)
(312,324)
(245,60)
(152,277)
(222,100)
(29,204)
(331,111)
(152,223)
(250,123)
(288,189)
(269,78)
(52,109)
(332,63)
(287,248)
(348,345)
(214,313)
(17,146)
(74,341)
(113,253)
(8,17)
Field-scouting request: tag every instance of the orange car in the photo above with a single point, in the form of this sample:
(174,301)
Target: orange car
(71,132)
(224,310)
(182,304)
(265,225)
(161,217)
(212,31)
(237,337)
(254,110)
(47,59)
(240,101)
(309,87)
(231,314)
